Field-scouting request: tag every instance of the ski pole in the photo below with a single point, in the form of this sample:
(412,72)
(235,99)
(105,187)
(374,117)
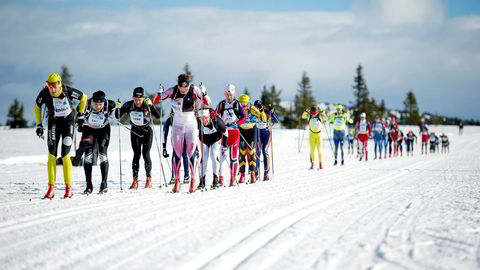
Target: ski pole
(161,89)
(158,148)
(120,123)
(120,156)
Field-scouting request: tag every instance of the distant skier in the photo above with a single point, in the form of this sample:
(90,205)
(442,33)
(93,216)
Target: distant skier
(399,144)
(61,101)
(433,139)
(339,119)
(445,143)
(378,135)
(460,128)
(424,135)
(140,110)
(350,138)
(386,138)
(364,132)
(316,118)
(409,139)
(96,130)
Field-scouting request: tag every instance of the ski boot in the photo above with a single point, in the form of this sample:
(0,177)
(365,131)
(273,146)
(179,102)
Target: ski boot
(89,189)
(134,183)
(172,181)
(232,180)
(103,188)
(366,155)
(335,163)
(186,179)
(50,193)
(216,183)
(176,187)
(201,185)
(265,176)
(68,192)
(311,166)
(380,157)
(148,184)
(343,162)
(320,165)
(253,178)
(242,178)
(220,182)
(193,186)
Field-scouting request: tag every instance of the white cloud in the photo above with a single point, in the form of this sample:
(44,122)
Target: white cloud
(416,47)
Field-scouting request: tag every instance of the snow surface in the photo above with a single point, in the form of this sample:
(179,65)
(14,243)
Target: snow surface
(419,212)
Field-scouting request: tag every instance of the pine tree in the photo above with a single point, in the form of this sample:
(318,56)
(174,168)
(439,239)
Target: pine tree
(411,107)
(382,109)
(361,94)
(66,76)
(15,115)
(186,70)
(304,97)
(272,97)
(246,92)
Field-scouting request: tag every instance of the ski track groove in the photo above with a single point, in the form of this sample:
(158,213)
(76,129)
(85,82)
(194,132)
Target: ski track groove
(234,261)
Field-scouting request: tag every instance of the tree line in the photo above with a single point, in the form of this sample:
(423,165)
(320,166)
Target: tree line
(290,115)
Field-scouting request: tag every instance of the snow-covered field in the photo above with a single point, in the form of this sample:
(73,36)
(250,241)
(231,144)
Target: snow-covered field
(418,212)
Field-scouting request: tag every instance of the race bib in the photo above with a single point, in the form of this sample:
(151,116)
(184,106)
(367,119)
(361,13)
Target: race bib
(61,107)
(229,116)
(177,104)
(96,120)
(378,128)
(339,121)
(363,127)
(425,133)
(137,118)
(207,130)
(316,125)
(262,125)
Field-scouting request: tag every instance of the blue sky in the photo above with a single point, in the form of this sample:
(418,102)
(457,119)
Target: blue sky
(429,46)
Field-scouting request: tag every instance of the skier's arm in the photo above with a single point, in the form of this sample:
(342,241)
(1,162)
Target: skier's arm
(219,123)
(38,108)
(305,115)
(239,111)
(166,127)
(162,95)
(153,110)
(76,94)
(110,107)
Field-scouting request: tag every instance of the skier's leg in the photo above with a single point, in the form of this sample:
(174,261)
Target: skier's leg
(67,141)
(311,144)
(103,142)
(136,143)
(147,141)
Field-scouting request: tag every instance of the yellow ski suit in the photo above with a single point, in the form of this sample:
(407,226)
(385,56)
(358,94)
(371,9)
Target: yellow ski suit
(315,137)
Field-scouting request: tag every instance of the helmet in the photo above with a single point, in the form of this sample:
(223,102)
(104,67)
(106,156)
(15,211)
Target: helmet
(363,115)
(54,78)
(230,88)
(244,99)
(339,108)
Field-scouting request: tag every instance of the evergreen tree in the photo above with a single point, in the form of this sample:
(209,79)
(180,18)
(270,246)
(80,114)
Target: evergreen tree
(361,94)
(272,97)
(15,115)
(382,109)
(246,92)
(411,107)
(66,75)
(304,97)
(186,70)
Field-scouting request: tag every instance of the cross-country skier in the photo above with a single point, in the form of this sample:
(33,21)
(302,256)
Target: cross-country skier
(445,143)
(399,144)
(386,138)
(424,135)
(409,139)
(378,135)
(60,100)
(232,114)
(166,128)
(364,132)
(339,119)
(264,130)
(350,138)
(460,128)
(140,109)
(96,130)
(213,138)
(185,97)
(433,142)
(248,138)
(316,118)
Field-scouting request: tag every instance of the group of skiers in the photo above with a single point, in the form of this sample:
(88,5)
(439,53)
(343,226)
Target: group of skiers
(235,132)
(387,136)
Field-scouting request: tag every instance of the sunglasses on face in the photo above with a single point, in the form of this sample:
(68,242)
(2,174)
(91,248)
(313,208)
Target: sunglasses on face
(53,84)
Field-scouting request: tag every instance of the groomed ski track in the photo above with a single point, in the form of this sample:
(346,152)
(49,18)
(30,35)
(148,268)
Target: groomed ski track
(417,212)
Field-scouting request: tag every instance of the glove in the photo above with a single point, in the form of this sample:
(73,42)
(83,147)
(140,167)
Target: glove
(118,104)
(161,89)
(203,89)
(147,102)
(224,151)
(39,131)
(213,115)
(80,121)
(165,153)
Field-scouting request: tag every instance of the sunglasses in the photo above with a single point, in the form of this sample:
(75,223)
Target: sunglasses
(53,84)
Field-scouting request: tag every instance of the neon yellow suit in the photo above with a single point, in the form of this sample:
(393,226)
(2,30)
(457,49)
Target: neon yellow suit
(315,137)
